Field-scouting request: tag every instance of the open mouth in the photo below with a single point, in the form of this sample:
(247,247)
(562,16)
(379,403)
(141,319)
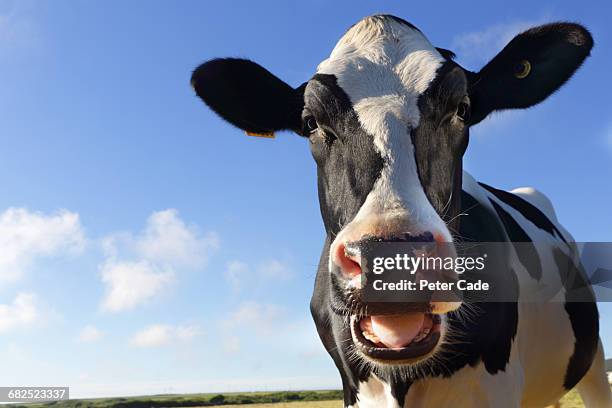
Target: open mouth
(409,336)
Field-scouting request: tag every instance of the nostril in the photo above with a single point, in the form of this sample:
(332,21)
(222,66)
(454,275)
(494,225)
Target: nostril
(347,257)
(427,237)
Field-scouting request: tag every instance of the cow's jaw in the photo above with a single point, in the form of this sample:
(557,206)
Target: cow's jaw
(397,339)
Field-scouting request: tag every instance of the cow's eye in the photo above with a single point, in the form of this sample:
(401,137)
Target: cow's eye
(463,109)
(310,124)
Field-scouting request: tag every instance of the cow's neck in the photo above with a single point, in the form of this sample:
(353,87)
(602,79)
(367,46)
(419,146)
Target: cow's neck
(375,392)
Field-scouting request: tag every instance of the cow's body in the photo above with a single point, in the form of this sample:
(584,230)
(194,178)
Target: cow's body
(530,364)
(387,116)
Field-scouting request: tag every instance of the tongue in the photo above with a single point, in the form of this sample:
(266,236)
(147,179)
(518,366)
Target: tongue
(397,331)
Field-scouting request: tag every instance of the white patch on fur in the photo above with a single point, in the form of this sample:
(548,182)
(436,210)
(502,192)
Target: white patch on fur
(384,66)
(375,393)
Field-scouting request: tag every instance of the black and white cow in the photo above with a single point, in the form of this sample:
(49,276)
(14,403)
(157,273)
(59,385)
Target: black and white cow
(387,116)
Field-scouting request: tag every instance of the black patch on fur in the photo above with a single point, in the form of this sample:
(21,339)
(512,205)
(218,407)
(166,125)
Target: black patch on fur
(528,210)
(504,323)
(527,254)
(399,389)
(348,164)
(583,316)
(490,335)
(481,224)
(440,141)
(448,54)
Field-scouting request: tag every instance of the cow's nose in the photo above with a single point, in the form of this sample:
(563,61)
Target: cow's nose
(348,259)
(347,255)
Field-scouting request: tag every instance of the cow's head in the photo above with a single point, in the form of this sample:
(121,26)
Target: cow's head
(387,116)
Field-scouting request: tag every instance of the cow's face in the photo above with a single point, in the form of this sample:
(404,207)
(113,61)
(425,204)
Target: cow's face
(386,119)
(387,116)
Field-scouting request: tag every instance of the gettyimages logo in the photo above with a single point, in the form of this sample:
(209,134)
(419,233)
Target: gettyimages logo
(417,262)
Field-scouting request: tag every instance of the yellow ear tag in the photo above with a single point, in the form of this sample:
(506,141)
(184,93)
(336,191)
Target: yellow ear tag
(522,69)
(268,135)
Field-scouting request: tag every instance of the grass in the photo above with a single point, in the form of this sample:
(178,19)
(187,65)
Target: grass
(572,400)
(298,404)
(196,400)
(285,399)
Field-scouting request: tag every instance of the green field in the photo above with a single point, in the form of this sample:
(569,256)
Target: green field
(314,398)
(287,399)
(572,400)
(298,404)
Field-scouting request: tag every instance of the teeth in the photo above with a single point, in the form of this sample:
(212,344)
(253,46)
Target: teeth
(371,337)
(421,335)
(366,330)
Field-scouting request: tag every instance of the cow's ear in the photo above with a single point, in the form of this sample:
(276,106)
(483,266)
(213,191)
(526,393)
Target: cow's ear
(248,96)
(530,68)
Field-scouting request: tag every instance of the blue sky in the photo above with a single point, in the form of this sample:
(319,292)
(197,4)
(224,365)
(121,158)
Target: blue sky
(149,247)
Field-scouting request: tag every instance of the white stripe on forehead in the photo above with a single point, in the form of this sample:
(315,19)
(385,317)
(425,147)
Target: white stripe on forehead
(383,65)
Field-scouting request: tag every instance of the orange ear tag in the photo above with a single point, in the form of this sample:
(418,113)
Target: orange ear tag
(268,135)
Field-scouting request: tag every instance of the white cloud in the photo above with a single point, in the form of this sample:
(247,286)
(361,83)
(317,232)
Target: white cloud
(161,335)
(276,270)
(129,284)
(90,334)
(168,240)
(261,317)
(187,333)
(239,275)
(231,344)
(476,48)
(22,312)
(236,274)
(139,267)
(18,30)
(253,324)
(26,236)
(152,336)
(165,240)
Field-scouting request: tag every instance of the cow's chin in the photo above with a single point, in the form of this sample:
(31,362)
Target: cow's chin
(396,340)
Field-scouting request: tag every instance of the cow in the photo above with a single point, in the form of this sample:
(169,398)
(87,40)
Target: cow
(387,117)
